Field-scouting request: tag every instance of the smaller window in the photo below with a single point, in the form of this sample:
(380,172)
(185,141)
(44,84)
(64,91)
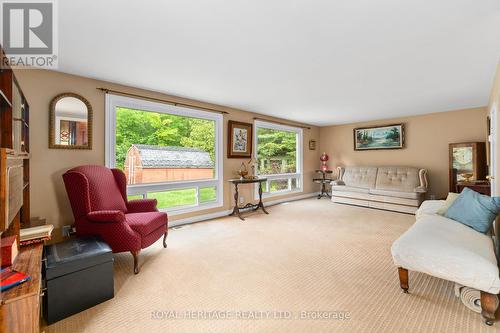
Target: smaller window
(135,197)
(208,194)
(174,198)
(278,151)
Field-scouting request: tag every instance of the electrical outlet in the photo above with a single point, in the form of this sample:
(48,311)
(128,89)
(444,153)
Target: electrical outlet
(432,197)
(242,199)
(65,230)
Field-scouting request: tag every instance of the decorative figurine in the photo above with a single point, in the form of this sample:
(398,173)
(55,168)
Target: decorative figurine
(467,176)
(252,164)
(242,172)
(324,158)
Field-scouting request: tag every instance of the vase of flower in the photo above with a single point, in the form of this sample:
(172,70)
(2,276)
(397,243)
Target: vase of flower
(324,159)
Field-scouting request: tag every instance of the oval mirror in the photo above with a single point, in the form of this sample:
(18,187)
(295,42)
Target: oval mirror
(70,122)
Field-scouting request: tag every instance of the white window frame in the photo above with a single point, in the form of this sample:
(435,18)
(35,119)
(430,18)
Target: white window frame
(115,101)
(299,148)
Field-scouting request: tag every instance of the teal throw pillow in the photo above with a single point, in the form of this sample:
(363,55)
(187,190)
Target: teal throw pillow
(474,210)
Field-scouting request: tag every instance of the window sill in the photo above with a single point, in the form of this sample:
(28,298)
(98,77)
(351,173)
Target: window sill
(279,193)
(191,209)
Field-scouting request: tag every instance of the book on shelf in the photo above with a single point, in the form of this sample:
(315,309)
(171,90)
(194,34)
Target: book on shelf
(34,241)
(11,278)
(35,234)
(8,250)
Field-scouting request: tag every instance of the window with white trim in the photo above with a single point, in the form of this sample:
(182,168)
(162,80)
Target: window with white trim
(169,153)
(278,151)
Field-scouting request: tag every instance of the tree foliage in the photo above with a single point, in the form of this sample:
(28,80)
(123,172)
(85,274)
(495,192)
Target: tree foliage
(201,135)
(393,134)
(273,147)
(151,128)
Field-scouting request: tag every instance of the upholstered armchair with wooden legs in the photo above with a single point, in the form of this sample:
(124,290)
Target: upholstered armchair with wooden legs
(98,197)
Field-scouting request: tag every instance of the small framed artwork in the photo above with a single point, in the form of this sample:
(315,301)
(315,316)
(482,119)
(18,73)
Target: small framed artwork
(379,137)
(312,144)
(239,142)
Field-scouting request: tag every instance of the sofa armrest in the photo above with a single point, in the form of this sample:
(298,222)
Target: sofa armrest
(422,175)
(106,216)
(340,172)
(337,182)
(142,205)
(420,189)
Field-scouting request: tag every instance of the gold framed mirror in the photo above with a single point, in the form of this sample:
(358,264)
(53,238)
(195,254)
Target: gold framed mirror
(70,123)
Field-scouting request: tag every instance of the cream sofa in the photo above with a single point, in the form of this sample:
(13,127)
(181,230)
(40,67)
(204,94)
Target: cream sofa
(400,189)
(449,250)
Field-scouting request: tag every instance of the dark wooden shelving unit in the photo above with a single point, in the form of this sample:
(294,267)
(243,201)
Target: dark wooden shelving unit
(14,135)
(4,101)
(20,305)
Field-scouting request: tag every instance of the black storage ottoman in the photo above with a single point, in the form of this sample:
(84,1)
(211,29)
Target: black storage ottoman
(78,275)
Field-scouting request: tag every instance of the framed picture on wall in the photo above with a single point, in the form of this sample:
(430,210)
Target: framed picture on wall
(312,144)
(239,139)
(379,137)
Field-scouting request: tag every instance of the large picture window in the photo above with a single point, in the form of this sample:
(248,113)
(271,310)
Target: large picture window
(169,153)
(278,151)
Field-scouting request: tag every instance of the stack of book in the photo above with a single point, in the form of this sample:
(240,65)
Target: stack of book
(10,278)
(34,235)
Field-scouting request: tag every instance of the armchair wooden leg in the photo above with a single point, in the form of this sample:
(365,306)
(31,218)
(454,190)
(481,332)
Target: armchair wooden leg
(136,261)
(489,305)
(403,279)
(165,240)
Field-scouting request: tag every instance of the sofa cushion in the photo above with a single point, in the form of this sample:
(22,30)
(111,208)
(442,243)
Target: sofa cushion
(345,188)
(363,177)
(475,210)
(448,250)
(429,207)
(396,194)
(401,179)
(450,199)
(145,223)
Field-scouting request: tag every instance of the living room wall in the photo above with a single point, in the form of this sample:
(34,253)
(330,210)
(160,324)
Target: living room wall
(495,104)
(427,138)
(48,196)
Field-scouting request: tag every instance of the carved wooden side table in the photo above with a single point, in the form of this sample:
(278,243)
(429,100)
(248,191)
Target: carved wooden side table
(260,204)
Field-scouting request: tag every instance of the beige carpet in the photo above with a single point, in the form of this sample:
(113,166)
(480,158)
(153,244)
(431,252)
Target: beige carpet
(309,255)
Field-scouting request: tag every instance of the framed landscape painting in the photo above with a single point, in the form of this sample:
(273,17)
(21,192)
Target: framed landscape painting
(379,137)
(239,142)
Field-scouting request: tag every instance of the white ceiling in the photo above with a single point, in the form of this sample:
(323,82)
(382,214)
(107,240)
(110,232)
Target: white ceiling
(318,62)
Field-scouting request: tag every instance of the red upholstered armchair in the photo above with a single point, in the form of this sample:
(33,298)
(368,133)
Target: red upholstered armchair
(98,197)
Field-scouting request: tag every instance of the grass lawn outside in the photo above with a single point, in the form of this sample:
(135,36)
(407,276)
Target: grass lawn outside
(183,197)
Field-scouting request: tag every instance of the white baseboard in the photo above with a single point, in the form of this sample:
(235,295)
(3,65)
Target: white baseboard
(294,198)
(222,213)
(199,218)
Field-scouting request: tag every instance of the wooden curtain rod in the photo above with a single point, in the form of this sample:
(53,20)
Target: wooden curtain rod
(279,123)
(161,100)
